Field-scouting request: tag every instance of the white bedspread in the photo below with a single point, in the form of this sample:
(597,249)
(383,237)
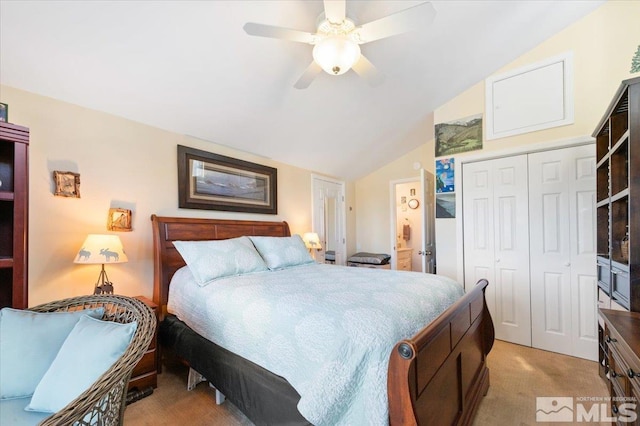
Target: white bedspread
(327,329)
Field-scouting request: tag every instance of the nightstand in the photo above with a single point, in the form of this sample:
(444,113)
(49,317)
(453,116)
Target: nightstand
(144,377)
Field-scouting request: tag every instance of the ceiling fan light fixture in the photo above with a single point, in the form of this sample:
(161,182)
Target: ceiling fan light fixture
(336,54)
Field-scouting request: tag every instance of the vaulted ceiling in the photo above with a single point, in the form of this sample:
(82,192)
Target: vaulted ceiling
(188,67)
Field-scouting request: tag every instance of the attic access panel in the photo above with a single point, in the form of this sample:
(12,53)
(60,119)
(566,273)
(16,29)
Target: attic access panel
(535,97)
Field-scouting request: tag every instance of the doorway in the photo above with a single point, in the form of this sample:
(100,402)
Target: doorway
(413,224)
(328,218)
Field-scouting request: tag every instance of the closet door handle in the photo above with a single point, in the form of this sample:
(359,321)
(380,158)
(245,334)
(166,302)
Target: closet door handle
(567,263)
(498,260)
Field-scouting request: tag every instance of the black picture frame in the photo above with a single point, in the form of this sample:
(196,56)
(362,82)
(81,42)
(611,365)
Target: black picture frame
(216,182)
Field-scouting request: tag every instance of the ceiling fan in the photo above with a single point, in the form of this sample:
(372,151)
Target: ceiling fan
(337,39)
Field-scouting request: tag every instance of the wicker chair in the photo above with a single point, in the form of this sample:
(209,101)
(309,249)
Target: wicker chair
(104,402)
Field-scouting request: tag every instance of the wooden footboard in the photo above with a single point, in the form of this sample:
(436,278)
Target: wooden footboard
(440,375)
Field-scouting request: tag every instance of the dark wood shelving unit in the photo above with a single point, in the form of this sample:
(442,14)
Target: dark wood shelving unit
(14,199)
(618,208)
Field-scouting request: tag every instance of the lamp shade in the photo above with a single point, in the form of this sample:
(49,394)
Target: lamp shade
(98,249)
(311,240)
(336,54)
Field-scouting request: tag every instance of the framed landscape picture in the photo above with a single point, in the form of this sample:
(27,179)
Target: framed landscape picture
(217,182)
(445,206)
(459,136)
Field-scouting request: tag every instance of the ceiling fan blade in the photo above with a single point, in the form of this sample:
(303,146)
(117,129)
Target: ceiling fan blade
(368,71)
(308,76)
(334,10)
(401,22)
(263,30)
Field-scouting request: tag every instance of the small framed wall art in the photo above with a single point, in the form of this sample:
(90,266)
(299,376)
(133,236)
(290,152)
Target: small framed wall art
(445,175)
(67,184)
(4,113)
(119,220)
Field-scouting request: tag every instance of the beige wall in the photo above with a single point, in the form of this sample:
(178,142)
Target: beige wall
(122,164)
(373,199)
(603,44)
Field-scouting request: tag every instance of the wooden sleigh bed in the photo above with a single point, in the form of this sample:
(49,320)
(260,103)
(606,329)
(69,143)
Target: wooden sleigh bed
(438,376)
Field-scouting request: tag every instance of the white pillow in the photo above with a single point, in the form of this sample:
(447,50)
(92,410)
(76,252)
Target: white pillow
(282,252)
(29,342)
(91,348)
(211,260)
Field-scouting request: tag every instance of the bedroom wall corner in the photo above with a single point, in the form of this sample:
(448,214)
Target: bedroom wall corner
(373,220)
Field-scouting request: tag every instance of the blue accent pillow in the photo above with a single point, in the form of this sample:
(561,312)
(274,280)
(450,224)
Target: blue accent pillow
(91,348)
(29,342)
(210,260)
(282,252)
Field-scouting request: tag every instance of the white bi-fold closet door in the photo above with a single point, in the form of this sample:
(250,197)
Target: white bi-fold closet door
(562,214)
(496,241)
(529,227)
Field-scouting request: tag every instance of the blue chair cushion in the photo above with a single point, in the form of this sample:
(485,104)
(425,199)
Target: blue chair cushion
(91,348)
(12,413)
(29,342)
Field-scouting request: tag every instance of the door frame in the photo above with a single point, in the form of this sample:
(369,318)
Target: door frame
(342,212)
(393,214)
(508,152)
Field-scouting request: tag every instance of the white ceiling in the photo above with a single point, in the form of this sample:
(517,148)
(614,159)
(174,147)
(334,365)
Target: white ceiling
(189,67)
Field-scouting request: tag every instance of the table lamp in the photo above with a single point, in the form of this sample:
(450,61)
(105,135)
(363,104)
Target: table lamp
(101,249)
(311,241)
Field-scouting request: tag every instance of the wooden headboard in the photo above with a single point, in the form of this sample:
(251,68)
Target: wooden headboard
(167,260)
